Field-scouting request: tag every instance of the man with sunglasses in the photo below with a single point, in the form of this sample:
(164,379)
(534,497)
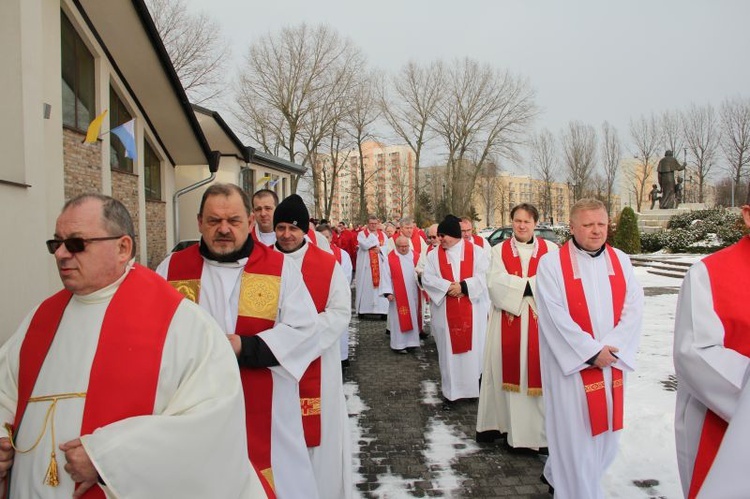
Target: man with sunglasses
(114,384)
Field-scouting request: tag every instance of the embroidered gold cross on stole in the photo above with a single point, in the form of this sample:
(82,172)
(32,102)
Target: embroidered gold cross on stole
(51,478)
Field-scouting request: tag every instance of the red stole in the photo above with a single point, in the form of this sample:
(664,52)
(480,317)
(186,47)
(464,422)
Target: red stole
(313,237)
(336,252)
(458,311)
(399,291)
(510,332)
(374,260)
(593,377)
(125,371)
(317,272)
(729,301)
(261,278)
(478,240)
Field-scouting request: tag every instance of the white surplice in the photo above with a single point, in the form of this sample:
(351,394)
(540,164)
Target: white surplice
(368,300)
(709,376)
(459,373)
(332,459)
(269,238)
(403,339)
(517,414)
(346,266)
(198,411)
(293,342)
(577,461)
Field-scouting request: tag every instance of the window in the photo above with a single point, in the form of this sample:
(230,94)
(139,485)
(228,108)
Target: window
(151,173)
(248,181)
(283,187)
(118,114)
(77,78)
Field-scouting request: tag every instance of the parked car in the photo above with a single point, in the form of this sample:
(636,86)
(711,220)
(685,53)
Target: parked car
(184,244)
(504,233)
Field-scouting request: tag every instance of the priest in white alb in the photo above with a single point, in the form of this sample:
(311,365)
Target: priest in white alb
(712,362)
(371,249)
(325,420)
(116,386)
(510,398)
(455,280)
(401,289)
(590,310)
(260,301)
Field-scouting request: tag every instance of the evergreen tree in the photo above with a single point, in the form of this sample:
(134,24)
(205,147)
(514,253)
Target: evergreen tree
(627,237)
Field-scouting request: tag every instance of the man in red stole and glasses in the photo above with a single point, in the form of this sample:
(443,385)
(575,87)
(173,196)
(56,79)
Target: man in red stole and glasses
(712,362)
(590,311)
(455,280)
(401,288)
(116,386)
(510,398)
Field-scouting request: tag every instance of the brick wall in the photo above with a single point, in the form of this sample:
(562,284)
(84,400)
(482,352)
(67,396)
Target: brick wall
(125,189)
(82,164)
(156,232)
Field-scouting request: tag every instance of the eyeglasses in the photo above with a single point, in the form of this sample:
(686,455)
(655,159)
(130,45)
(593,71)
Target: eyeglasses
(76,244)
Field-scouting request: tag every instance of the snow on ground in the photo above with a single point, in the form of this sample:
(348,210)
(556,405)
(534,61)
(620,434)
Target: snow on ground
(647,446)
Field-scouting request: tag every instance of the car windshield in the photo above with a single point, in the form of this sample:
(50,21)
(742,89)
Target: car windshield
(504,233)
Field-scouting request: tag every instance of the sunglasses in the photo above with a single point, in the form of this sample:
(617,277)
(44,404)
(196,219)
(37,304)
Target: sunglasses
(76,244)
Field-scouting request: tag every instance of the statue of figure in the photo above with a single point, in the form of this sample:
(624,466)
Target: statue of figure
(678,192)
(666,168)
(654,195)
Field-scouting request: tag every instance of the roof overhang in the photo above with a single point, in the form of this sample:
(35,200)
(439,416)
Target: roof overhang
(128,35)
(222,138)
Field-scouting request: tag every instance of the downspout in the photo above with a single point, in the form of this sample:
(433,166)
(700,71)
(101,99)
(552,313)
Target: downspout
(213,167)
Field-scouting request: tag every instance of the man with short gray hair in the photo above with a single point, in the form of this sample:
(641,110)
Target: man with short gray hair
(126,377)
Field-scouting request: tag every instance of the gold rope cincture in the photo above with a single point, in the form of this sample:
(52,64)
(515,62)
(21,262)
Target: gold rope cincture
(51,477)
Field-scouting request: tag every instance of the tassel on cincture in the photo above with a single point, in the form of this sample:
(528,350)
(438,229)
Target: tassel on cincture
(51,477)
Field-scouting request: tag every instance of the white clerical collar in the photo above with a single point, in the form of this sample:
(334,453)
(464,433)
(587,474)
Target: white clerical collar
(105,293)
(456,248)
(267,238)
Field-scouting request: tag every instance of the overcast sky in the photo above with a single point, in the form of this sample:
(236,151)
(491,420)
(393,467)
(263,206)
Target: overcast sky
(587,60)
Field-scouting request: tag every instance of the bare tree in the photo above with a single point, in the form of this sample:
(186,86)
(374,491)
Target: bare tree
(611,155)
(489,184)
(671,131)
(544,162)
(195,45)
(646,136)
(292,86)
(579,152)
(408,105)
(364,111)
(702,136)
(331,167)
(485,113)
(735,126)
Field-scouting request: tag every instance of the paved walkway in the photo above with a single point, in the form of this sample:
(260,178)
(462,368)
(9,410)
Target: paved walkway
(409,444)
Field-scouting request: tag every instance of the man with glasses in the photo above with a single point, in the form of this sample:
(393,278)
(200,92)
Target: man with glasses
(370,260)
(117,383)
